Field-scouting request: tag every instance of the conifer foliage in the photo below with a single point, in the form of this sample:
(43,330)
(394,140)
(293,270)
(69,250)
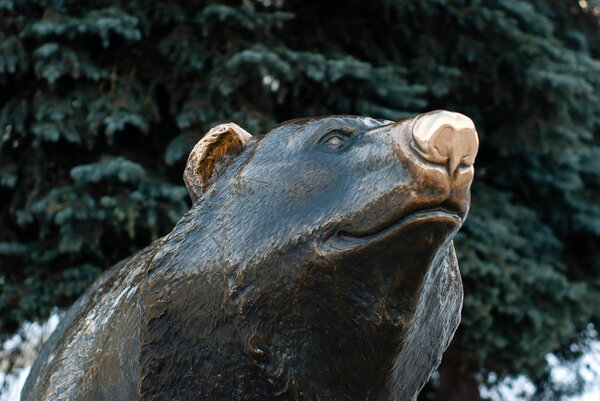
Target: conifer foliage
(102,100)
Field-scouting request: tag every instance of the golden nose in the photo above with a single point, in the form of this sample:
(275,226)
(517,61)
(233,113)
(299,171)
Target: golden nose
(446,138)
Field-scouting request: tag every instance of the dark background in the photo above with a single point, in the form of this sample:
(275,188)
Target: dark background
(101,101)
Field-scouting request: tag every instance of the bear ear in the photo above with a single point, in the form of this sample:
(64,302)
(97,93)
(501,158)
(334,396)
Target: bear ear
(211,154)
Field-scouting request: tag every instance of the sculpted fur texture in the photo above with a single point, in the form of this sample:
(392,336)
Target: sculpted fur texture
(316,263)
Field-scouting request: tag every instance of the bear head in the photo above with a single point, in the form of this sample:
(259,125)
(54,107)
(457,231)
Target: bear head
(316,262)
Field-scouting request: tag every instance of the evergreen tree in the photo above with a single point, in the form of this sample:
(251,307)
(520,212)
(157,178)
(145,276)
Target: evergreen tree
(101,101)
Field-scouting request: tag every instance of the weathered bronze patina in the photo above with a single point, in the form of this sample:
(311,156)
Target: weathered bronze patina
(315,264)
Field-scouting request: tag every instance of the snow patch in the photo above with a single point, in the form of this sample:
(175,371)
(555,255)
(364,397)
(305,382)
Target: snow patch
(587,367)
(11,384)
(18,353)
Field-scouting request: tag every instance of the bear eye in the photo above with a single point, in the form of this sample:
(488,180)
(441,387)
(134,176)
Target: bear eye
(334,139)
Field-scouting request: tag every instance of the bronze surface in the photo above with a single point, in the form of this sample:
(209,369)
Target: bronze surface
(316,264)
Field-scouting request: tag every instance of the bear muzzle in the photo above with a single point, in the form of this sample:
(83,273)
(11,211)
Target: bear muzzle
(445,138)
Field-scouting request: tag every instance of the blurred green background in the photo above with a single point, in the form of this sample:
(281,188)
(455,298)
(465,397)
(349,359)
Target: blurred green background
(101,101)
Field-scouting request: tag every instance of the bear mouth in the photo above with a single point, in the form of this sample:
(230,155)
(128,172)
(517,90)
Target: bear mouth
(345,240)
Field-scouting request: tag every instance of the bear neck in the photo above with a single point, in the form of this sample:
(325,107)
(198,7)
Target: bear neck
(313,329)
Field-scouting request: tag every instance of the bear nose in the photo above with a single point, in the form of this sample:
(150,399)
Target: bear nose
(446,138)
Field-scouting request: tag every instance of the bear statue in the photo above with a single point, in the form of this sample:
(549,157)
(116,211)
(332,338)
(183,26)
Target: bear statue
(316,263)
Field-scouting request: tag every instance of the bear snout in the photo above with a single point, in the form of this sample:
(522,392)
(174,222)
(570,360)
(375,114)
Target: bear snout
(445,138)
